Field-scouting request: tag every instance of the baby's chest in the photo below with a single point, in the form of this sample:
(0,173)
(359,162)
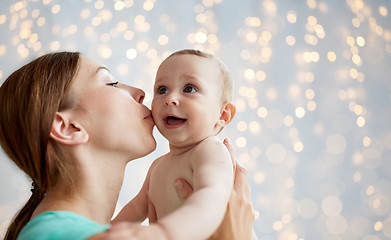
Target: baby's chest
(162,190)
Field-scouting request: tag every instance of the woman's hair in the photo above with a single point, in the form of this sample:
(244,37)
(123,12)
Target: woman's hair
(29,100)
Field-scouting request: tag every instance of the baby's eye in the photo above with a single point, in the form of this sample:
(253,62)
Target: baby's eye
(162,90)
(189,89)
(112,84)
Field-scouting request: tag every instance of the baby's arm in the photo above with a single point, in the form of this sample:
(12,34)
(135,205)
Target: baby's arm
(137,208)
(202,213)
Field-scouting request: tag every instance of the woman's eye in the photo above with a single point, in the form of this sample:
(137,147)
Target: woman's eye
(189,89)
(162,90)
(112,84)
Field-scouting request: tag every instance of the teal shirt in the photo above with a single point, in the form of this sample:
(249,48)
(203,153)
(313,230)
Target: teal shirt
(60,225)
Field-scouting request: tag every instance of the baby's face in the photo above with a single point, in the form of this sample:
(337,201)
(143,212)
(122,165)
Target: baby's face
(187,99)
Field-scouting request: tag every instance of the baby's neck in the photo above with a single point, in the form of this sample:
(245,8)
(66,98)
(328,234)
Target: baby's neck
(178,150)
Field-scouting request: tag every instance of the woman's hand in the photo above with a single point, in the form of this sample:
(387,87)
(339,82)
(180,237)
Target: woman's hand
(239,218)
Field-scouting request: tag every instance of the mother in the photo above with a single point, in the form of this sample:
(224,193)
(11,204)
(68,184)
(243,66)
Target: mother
(72,129)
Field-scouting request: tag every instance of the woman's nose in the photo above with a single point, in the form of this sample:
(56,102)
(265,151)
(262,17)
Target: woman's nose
(137,94)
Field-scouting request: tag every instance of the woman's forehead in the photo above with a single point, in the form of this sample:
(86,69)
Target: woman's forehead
(88,69)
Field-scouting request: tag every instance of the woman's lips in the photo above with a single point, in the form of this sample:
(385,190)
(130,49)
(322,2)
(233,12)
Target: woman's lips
(150,118)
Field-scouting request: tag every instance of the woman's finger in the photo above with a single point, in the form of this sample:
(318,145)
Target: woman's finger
(240,181)
(228,144)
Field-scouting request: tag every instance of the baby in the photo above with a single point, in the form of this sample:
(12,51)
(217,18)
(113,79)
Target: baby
(191,105)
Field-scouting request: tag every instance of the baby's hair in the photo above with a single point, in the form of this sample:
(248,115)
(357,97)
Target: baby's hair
(225,75)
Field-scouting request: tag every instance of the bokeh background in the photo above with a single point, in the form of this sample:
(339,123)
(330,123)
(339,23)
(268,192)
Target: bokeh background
(312,90)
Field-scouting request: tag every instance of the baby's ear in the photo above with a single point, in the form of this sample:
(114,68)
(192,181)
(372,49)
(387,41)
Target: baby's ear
(227,114)
(67,132)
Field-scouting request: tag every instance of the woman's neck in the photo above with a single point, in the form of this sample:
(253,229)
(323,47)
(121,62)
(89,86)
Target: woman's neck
(93,195)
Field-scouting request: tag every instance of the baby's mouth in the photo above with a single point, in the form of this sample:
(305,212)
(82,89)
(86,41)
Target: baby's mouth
(172,121)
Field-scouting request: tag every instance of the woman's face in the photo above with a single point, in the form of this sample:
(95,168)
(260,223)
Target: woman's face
(112,113)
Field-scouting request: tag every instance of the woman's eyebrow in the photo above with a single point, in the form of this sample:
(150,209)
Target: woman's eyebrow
(102,67)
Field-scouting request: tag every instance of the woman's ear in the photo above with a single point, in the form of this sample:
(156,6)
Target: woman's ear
(227,114)
(66,132)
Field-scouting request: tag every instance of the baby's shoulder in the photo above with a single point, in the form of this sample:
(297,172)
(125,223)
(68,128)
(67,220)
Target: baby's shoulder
(212,140)
(210,144)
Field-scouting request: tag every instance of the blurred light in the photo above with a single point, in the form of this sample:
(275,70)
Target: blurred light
(336,225)
(311,4)
(254,127)
(201,37)
(105,51)
(131,53)
(378,226)
(259,177)
(56,9)
(142,46)
(350,41)
(336,144)
(96,21)
(311,106)
(290,40)
(332,206)
(249,74)
(356,59)
(298,146)
(310,94)
(360,121)
(270,6)
(271,94)
(312,20)
(277,226)
(128,35)
(360,41)
(331,56)
(251,37)
(55,45)
(260,75)
(99,4)
(242,126)
(275,153)
(148,5)
(308,208)
(3,18)
(262,112)
(291,17)
(241,142)
(41,21)
(105,15)
(288,121)
(163,40)
(383,11)
(128,3)
(300,112)
(119,5)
